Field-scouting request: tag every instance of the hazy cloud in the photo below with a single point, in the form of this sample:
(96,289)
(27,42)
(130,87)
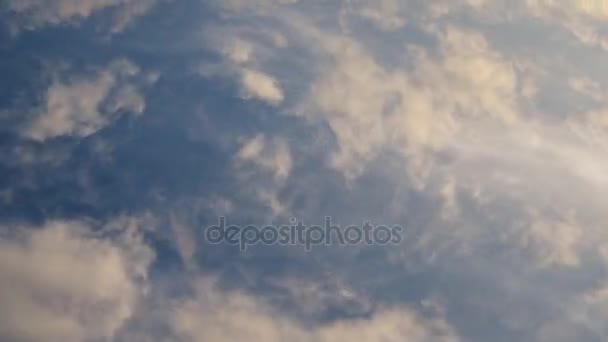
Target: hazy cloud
(82,105)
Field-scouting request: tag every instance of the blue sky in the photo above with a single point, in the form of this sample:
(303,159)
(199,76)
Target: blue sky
(127,127)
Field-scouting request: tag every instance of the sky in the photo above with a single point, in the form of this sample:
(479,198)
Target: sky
(129,127)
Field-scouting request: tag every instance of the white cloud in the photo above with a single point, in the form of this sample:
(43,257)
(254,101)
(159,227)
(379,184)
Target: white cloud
(254,5)
(270,156)
(539,188)
(184,240)
(213,315)
(259,85)
(63,282)
(385,14)
(239,51)
(82,105)
(592,9)
(587,86)
(586,312)
(273,155)
(556,243)
(472,116)
(462,98)
(412,109)
(463,112)
(582,18)
(474,105)
(37,14)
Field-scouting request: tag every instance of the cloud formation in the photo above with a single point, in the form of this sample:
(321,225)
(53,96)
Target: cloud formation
(479,126)
(83,105)
(217,316)
(257,84)
(34,14)
(61,282)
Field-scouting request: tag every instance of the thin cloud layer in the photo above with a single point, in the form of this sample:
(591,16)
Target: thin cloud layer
(31,15)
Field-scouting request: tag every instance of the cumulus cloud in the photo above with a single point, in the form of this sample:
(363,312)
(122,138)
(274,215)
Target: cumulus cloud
(82,105)
(63,282)
(257,84)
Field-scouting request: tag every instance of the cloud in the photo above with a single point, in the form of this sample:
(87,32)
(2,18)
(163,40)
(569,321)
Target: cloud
(472,119)
(257,84)
(385,14)
(550,175)
(587,87)
(82,105)
(270,156)
(556,242)
(33,14)
(239,51)
(63,282)
(411,109)
(583,19)
(232,316)
(478,125)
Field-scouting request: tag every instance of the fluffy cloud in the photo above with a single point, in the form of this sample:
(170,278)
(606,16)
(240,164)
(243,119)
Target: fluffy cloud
(82,105)
(218,316)
(412,109)
(257,84)
(409,107)
(64,282)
